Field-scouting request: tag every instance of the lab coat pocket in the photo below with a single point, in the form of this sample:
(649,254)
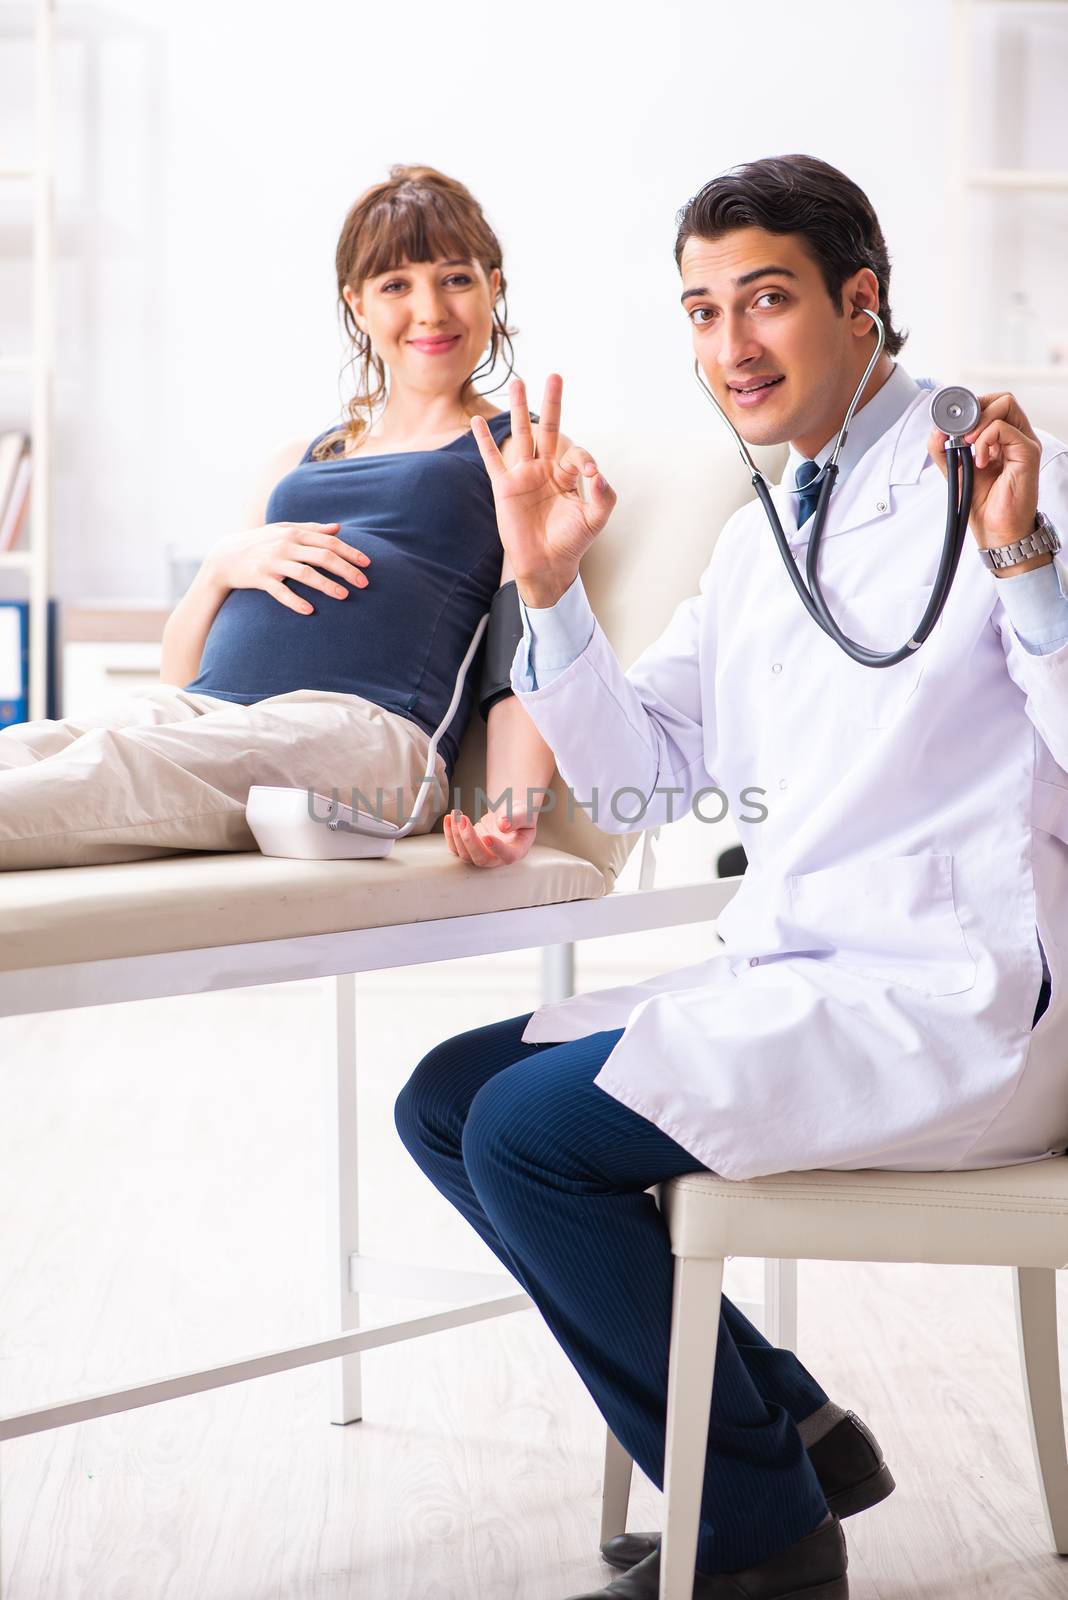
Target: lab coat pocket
(881,619)
(893,918)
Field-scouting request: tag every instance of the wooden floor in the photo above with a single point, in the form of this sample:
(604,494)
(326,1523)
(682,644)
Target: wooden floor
(161,1204)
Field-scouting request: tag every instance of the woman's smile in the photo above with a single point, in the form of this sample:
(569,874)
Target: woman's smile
(435,344)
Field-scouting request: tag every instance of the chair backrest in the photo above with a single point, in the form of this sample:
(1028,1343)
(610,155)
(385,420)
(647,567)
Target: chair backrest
(675,494)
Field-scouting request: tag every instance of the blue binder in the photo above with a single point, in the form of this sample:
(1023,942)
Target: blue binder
(15,661)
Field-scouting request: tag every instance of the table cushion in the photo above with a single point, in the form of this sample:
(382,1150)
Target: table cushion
(58,915)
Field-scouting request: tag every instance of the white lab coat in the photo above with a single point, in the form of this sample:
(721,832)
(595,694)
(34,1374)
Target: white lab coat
(873,1004)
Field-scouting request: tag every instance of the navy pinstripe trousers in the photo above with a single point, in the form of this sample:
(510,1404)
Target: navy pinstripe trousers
(551,1171)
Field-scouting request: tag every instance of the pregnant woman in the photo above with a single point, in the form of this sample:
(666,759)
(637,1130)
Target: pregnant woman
(319,647)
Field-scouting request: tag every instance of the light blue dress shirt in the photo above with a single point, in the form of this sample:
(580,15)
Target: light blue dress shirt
(1036,604)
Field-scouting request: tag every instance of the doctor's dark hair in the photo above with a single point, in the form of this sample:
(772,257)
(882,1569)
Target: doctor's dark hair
(418,214)
(798,194)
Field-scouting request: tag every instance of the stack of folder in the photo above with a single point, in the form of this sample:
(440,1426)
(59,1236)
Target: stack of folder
(15,661)
(15,474)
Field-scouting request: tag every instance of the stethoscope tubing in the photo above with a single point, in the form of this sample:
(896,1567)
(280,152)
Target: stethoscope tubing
(959,476)
(959,483)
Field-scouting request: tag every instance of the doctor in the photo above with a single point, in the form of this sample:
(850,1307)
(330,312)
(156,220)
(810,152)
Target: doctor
(876,1000)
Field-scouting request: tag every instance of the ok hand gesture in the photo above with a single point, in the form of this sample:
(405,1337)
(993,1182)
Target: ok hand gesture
(545,525)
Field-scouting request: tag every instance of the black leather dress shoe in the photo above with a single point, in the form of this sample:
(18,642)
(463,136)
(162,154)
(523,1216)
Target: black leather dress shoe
(812,1569)
(848,1463)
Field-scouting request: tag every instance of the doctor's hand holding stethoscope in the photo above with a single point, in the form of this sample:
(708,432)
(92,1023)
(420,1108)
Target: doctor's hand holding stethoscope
(1005,490)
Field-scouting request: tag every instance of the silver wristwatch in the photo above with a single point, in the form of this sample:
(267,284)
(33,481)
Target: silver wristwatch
(1041,541)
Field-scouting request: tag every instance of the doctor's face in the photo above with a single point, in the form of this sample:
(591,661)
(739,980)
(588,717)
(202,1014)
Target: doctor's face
(773,348)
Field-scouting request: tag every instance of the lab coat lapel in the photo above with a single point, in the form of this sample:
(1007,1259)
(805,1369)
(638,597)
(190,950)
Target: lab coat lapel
(898,456)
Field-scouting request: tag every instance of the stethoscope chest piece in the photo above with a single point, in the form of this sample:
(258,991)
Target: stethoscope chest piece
(955,411)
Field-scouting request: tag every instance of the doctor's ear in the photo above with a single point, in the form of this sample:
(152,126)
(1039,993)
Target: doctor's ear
(861,293)
(863,325)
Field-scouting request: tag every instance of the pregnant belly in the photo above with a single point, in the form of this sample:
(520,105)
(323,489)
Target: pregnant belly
(259,647)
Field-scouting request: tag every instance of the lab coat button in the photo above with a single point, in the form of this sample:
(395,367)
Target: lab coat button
(754,961)
(880,505)
(776,666)
(782,783)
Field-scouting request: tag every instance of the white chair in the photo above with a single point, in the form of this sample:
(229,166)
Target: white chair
(1002,1216)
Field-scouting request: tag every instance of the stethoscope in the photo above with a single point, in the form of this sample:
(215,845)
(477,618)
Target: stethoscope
(955,412)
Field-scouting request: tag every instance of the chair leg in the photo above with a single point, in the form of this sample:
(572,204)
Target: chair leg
(615,1494)
(1035,1297)
(780,1304)
(343,1198)
(698,1285)
(557,972)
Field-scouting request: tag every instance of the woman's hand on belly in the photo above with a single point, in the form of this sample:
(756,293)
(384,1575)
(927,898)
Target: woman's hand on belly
(261,558)
(493,841)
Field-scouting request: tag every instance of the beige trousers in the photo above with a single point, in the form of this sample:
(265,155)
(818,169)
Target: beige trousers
(168,771)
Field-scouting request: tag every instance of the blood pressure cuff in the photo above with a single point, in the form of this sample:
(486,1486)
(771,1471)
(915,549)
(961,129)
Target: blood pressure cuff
(503,632)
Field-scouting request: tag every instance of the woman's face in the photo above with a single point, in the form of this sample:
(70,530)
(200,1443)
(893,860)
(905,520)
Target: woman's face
(429,321)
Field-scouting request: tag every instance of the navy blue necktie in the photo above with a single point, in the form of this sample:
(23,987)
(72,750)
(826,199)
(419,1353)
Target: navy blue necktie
(806,503)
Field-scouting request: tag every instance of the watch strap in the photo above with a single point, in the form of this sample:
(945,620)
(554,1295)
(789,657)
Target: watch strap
(1042,540)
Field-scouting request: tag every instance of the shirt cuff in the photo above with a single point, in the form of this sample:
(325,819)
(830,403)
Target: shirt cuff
(553,637)
(1037,607)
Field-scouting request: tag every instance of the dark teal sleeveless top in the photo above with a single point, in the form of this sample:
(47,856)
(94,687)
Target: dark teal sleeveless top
(427,521)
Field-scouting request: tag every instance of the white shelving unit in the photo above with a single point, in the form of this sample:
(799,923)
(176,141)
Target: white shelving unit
(968,180)
(37,363)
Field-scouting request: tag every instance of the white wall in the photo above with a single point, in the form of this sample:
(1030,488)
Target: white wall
(208,153)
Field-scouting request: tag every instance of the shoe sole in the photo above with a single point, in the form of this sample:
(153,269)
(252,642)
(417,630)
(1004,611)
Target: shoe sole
(837,1589)
(846,1503)
(859,1496)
